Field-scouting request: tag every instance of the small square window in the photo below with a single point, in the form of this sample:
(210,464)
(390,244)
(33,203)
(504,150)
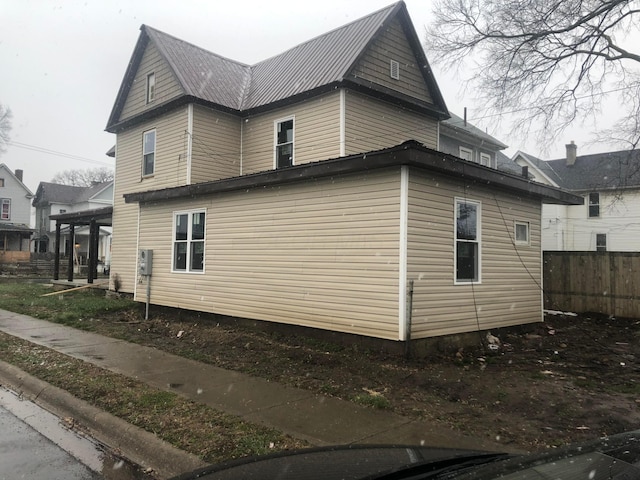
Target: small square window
(151,87)
(466,154)
(485,159)
(394,70)
(522,233)
(601,242)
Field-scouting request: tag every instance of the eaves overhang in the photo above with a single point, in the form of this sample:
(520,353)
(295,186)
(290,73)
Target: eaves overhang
(102,216)
(410,153)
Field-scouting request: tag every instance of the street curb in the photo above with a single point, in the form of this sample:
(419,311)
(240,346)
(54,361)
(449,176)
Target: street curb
(133,443)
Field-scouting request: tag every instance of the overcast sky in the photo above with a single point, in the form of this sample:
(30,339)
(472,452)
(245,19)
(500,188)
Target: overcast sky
(62,62)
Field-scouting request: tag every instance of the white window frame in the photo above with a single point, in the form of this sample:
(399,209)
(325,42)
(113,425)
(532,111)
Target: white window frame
(189,241)
(465,151)
(606,240)
(145,153)
(394,69)
(527,226)
(151,87)
(485,159)
(589,204)
(477,241)
(3,202)
(276,145)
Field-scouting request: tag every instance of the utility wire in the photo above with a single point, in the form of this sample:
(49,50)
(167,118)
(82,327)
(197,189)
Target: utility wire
(48,151)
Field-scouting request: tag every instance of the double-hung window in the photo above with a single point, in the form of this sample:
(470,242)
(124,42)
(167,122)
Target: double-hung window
(188,241)
(5,212)
(148,153)
(284,143)
(467,241)
(594,205)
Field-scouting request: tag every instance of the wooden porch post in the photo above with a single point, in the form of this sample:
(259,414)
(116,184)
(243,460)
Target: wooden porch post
(56,259)
(72,246)
(93,253)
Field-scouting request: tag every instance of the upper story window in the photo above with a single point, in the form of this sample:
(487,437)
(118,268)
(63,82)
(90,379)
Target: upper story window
(594,204)
(151,87)
(467,241)
(394,70)
(1,182)
(601,242)
(466,154)
(188,241)
(148,152)
(5,212)
(284,143)
(485,159)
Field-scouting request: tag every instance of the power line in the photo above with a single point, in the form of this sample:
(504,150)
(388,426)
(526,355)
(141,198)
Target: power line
(48,151)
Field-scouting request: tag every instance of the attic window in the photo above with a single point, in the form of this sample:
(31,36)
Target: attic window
(151,87)
(1,182)
(394,70)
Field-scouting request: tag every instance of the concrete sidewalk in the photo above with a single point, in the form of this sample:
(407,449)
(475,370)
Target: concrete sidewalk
(318,419)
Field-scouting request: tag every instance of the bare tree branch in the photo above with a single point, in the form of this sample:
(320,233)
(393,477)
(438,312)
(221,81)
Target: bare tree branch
(551,62)
(83,178)
(5,127)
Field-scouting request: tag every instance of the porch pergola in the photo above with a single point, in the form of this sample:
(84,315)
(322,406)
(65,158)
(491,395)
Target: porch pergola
(96,218)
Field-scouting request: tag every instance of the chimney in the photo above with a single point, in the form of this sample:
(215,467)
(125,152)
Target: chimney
(19,173)
(572,151)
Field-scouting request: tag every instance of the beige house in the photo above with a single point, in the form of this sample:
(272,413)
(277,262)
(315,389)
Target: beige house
(307,189)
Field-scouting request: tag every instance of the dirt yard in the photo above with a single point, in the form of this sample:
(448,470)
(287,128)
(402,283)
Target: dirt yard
(571,379)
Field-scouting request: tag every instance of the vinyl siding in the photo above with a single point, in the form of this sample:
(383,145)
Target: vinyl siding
(170,171)
(215,145)
(320,253)
(511,275)
(375,64)
(20,202)
(167,86)
(372,124)
(316,133)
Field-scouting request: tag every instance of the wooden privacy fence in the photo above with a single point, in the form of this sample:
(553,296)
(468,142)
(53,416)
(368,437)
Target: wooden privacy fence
(602,282)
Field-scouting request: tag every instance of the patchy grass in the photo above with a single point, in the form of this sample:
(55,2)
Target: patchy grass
(374,400)
(193,427)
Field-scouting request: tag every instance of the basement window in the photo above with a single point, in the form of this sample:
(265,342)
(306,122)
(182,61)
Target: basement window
(394,70)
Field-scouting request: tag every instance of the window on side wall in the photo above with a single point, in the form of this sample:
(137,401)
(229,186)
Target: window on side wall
(485,159)
(151,87)
(522,233)
(467,241)
(466,154)
(594,205)
(601,242)
(188,241)
(284,143)
(5,214)
(148,153)
(1,182)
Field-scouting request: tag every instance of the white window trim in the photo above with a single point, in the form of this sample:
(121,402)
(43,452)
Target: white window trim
(275,140)
(3,202)
(462,150)
(155,156)
(606,242)
(394,69)
(150,95)
(478,241)
(188,271)
(515,233)
(589,204)
(487,157)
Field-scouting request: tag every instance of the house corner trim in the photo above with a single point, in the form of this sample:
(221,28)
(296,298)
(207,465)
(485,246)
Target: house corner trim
(402,260)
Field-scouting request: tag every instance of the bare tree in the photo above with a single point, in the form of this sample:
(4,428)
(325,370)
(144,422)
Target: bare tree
(5,127)
(83,178)
(548,63)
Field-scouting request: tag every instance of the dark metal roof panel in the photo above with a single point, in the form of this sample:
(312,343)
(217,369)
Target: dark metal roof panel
(203,74)
(321,61)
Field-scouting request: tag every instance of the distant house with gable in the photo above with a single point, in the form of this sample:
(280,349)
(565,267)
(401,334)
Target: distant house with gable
(15,217)
(609,219)
(54,199)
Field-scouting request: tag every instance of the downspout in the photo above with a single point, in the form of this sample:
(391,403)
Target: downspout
(402,260)
(407,342)
(189,140)
(343,137)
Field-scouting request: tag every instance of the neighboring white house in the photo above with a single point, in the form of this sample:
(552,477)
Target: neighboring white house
(53,199)
(15,216)
(609,182)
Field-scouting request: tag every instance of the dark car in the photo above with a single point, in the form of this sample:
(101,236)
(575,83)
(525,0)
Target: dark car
(615,457)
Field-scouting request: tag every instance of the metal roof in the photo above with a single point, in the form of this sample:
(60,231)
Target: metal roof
(320,63)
